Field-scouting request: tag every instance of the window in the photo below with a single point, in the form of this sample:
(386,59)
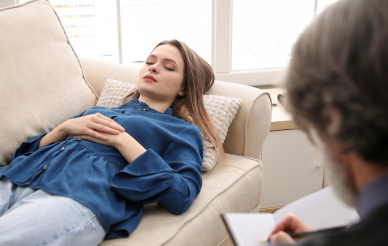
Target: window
(322,4)
(263,32)
(253,38)
(145,23)
(246,41)
(91,26)
(93,29)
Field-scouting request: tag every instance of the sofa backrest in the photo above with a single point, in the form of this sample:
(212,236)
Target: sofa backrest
(41,80)
(248,130)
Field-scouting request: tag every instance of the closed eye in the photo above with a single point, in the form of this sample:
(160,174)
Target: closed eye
(170,69)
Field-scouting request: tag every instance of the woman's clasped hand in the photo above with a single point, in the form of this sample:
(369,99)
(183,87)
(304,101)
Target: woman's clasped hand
(93,126)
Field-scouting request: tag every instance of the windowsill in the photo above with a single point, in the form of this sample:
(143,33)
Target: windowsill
(281,119)
(254,77)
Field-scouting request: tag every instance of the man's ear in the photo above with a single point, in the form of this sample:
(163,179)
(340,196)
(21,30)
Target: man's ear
(344,157)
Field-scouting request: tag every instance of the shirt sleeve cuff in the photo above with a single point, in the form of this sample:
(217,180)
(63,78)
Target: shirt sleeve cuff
(28,146)
(148,163)
(144,180)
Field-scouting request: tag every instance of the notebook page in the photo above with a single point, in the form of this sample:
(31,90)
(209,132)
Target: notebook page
(249,229)
(320,210)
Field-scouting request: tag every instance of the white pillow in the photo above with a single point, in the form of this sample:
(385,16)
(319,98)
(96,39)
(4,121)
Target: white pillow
(221,110)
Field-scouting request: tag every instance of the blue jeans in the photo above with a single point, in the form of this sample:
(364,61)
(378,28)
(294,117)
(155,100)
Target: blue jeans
(35,217)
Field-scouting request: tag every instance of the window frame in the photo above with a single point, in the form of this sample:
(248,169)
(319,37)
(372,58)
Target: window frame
(222,18)
(221,50)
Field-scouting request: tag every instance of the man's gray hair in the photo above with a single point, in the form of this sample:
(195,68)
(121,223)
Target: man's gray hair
(337,81)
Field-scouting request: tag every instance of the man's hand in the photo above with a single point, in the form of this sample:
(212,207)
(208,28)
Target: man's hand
(290,224)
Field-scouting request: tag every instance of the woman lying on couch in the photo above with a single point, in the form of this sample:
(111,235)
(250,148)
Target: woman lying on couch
(87,180)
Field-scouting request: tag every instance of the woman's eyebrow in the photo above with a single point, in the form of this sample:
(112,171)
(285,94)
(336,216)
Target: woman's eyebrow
(166,59)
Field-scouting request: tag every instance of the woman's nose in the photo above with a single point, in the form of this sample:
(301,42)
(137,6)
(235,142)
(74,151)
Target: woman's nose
(153,69)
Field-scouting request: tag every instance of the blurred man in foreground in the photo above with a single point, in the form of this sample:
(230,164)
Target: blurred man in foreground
(337,83)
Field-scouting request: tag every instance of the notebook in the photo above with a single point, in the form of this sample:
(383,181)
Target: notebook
(319,210)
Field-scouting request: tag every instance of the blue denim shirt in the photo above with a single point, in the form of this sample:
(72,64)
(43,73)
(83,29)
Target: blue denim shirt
(99,177)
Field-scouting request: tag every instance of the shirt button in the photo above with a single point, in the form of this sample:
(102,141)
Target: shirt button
(45,167)
(63,148)
(123,111)
(79,139)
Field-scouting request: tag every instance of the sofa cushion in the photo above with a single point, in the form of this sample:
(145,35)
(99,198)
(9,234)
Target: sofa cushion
(225,189)
(41,81)
(222,111)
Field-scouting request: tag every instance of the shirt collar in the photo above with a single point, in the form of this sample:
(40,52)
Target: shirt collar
(373,196)
(141,106)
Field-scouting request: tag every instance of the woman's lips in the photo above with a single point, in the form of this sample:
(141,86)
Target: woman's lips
(149,78)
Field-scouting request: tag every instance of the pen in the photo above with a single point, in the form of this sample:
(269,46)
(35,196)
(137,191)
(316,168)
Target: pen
(309,233)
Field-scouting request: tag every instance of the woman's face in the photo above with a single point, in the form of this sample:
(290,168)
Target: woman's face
(161,76)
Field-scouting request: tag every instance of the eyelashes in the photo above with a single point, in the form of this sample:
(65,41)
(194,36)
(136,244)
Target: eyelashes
(170,69)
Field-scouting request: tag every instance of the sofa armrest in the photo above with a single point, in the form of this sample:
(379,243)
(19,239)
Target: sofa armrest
(251,125)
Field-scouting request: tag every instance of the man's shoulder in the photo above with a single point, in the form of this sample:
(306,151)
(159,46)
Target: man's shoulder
(373,230)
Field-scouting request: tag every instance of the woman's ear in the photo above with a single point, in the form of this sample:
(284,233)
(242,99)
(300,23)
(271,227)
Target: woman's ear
(182,92)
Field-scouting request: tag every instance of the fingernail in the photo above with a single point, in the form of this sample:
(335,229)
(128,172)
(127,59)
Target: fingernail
(122,128)
(271,238)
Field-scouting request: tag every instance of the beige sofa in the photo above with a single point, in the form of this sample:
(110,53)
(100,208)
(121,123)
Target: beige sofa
(43,83)
(224,189)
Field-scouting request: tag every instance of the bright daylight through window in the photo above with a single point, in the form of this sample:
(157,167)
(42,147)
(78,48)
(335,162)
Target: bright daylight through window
(145,23)
(264,31)
(92,26)
(124,31)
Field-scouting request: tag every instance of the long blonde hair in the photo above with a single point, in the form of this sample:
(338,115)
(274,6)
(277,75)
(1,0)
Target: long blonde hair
(197,79)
